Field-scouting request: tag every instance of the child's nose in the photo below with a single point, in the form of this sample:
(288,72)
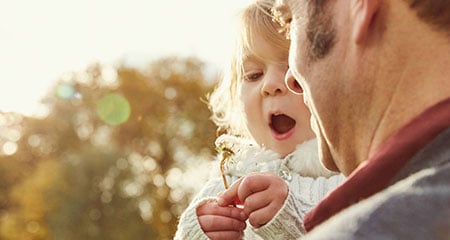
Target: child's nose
(273,84)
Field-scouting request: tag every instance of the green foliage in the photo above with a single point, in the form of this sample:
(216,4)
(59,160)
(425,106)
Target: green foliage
(107,169)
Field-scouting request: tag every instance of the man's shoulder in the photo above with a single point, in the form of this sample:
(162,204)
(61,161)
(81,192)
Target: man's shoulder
(413,208)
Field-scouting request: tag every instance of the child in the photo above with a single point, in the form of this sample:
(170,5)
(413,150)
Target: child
(274,160)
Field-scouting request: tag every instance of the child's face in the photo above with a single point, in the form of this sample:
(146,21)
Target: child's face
(276,118)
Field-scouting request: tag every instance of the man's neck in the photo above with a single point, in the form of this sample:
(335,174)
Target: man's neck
(420,76)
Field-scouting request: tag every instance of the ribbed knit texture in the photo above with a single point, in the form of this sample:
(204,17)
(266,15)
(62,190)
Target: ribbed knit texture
(301,171)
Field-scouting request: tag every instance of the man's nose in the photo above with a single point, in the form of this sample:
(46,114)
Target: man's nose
(292,84)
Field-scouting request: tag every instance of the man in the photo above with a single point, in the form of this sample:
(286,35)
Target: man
(376,76)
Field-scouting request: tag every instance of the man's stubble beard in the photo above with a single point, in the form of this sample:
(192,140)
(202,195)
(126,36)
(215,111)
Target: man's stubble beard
(321,38)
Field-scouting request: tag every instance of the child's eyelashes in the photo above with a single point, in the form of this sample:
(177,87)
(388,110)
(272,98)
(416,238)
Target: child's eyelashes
(253,76)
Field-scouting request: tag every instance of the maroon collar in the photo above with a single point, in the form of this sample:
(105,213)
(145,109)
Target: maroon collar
(376,173)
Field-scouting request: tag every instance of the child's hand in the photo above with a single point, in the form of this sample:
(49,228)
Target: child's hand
(221,222)
(262,194)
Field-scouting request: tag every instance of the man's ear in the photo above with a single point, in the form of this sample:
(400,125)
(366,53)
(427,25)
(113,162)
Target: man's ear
(364,12)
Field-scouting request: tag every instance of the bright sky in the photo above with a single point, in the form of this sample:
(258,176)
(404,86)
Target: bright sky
(41,40)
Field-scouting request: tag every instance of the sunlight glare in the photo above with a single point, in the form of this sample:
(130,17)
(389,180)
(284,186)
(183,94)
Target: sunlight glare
(36,51)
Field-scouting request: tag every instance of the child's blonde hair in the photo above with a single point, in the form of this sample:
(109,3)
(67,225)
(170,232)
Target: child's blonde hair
(255,22)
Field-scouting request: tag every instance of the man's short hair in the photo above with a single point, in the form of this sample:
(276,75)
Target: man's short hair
(434,12)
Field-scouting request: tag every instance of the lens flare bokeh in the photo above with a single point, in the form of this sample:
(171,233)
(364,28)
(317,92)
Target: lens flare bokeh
(65,91)
(113,109)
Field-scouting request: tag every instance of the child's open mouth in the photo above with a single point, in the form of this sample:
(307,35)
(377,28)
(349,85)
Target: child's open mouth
(281,123)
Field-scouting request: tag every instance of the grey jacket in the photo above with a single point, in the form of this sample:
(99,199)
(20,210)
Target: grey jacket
(415,206)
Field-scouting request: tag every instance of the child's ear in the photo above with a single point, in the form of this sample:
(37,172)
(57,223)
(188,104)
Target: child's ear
(363,13)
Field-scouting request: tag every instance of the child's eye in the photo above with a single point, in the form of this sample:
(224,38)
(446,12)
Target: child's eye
(253,76)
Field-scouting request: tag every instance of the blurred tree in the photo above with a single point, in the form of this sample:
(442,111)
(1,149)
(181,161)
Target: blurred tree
(112,159)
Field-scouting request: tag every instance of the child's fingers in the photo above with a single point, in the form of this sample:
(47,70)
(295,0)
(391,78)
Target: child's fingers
(256,201)
(212,223)
(212,208)
(227,197)
(263,215)
(243,187)
(253,183)
(225,235)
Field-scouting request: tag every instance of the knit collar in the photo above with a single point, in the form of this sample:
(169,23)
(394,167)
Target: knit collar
(249,157)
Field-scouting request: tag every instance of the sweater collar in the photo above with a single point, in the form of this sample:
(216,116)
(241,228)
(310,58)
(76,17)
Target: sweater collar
(249,157)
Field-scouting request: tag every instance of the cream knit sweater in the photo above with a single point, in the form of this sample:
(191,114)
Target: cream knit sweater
(308,182)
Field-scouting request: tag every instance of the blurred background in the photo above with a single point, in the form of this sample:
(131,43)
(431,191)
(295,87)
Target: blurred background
(104,129)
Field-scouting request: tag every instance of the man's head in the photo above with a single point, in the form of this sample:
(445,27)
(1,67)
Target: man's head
(343,53)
